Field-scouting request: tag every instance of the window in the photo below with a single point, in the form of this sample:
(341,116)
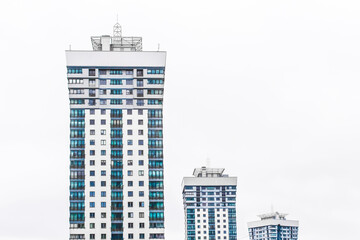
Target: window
(75,81)
(128,72)
(129,132)
(141,162)
(116,101)
(116,82)
(103,173)
(103,225)
(103,215)
(103,142)
(141,172)
(130,215)
(130,236)
(103,183)
(130,172)
(92,194)
(92,132)
(92,173)
(102,81)
(129,112)
(92,215)
(115,72)
(103,194)
(141,183)
(142,236)
(130,142)
(129,101)
(103,122)
(92,152)
(141,132)
(140,112)
(92,204)
(92,82)
(92,236)
(92,122)
(103,162)
(130,204)
(141,142)
(130,183)
(103,204)
(129,91)
(77,101)
(141,225)
(116,91)
(130,225)
(141,214)
(92,183)
(129,82)
(130,193)
(102,91)
(141,152)
(92,142)
(155,71)
(103,101)
(103,235)
(139,73)
(103,111)
(141,193)
(92,162)
(103,132)
(129,152)
(141,204)
(129,122)
(140,122)
(103,152)
(130,162)
(74,71)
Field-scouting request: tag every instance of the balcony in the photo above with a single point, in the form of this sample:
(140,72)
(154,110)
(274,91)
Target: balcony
(117,208)
(117,218)
(76,198)
(116,177)
(155,126)
(77,166)
(77,177)
(116,187)
(77,188)
(156,166)
(77,208)
(117,229)
(116,198)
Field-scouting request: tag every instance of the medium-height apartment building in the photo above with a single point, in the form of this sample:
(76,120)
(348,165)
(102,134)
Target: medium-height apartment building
(273,226)
(116,139)
(210,205)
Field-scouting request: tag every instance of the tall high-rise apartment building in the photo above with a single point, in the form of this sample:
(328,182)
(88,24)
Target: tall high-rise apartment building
(273,226)
(210,205)
(116,139)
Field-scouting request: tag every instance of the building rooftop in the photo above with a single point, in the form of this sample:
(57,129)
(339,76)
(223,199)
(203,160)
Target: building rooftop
(273,215)
(209,172)
(116,42)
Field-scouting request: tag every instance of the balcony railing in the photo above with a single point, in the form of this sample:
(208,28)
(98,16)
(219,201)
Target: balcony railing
(117,198)
(77,166)
(76,198)
(77,208)
(77,177)
(156,166)
(117,208)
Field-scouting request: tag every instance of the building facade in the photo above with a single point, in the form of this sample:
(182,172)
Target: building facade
(210,205)
(116,139)
(273,226)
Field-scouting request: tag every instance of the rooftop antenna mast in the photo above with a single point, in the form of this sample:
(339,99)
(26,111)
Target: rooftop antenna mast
(117,31)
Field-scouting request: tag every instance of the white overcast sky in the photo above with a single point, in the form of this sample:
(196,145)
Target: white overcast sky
(268,89)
